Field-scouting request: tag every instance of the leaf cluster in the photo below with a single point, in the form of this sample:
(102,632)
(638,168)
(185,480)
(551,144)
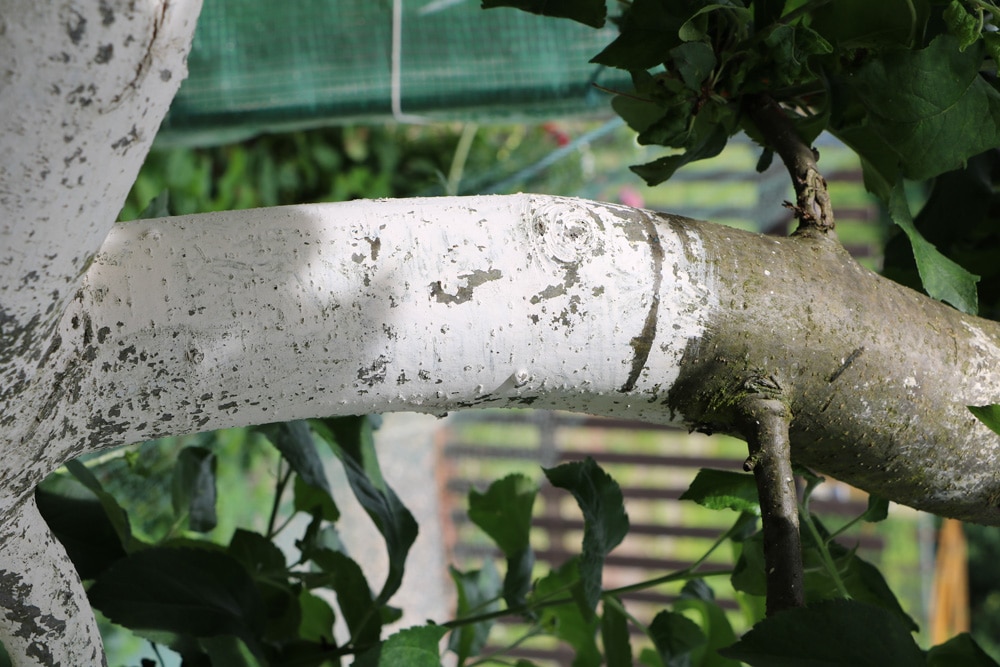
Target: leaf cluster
(904,82)
(909,85)
(245,602)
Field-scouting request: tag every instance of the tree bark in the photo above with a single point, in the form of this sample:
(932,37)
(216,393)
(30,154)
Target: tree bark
(201,322)
(83,88)
(114,334)
(765,427)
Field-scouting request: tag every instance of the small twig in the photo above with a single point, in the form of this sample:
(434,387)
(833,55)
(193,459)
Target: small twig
(766,422)
(812,200)
(279,490)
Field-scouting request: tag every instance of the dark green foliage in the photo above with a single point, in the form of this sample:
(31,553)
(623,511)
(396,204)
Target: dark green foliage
(413,647)
(942,278)
(568,615)
(116,516)
(82,525)
(244,604)
(193,489)
(614,634)
(478,593)
(959,651)
(352,443)
(504,513)
(724,489)
(838,632)
(295,442)
(605,520)
(183,592)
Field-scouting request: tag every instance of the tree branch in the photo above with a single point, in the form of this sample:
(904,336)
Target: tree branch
(84,90)
(812,200)
(766,430)
(48,618)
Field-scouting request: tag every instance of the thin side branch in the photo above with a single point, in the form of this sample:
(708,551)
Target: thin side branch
(812,200)
(766,431)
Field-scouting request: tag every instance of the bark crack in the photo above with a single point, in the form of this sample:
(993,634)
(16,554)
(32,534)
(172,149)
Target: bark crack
(643,343)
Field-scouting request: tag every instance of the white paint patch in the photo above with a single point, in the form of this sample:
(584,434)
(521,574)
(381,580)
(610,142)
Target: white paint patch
(981,387)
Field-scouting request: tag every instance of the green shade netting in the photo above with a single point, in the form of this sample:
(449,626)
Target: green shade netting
(264,65)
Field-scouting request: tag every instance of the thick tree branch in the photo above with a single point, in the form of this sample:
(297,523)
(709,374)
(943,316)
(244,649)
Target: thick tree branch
(812,200)
(48,620)
(441,304)
(766,423)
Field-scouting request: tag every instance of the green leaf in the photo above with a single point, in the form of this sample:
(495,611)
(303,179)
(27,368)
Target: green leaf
(988,414)
(317,619)
(259,556)
(192,490)
(412,647)
(116,515)
(568,621)
(962,25)
(748,575)
(942,278)
(649,30)
(605,522)
(694,61)
(699,601)
(991,42)
(587,12)
(699,26)
(265,563)
(959,651)
(675,637)
(863,581)
(919,113)
(724,489)
(648,657)
(766,12)
(354,597)
(861,23)
(790,50)
(230,651)
(195,592)
(82,526)
(706,145)
(818,635)
(352,441)
(158,207)
(313,500)
(504,513)
(295,441)
(615,636)
(878,509)
(638,113)
(478,593)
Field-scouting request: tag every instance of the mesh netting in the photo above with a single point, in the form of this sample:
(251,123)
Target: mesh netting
(260,65)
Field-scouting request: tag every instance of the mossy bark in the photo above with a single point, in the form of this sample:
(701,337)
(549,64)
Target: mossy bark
(877,377)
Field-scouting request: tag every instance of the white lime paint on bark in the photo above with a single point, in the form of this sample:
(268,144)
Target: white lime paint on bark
(46,617)
(200,322)
(83,88)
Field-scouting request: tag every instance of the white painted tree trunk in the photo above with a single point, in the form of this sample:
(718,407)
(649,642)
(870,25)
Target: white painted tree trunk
(114,334)
(83,88)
